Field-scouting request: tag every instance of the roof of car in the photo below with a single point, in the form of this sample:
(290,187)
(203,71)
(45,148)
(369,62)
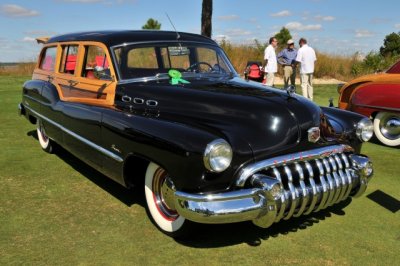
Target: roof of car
(111,38)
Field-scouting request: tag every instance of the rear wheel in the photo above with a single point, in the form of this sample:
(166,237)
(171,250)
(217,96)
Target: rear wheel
(160,203)
(387,128)
(45,142)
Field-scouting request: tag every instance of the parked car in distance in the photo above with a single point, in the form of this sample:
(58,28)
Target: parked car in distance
(376,96)
(168,110)
(253,71)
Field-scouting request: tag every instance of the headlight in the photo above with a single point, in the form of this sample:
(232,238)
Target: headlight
(365,129)
(217,156)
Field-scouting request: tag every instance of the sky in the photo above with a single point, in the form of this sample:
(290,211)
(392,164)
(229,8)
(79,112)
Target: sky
(339,27)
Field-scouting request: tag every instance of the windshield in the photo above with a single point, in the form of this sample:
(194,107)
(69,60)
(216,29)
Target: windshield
(153,60)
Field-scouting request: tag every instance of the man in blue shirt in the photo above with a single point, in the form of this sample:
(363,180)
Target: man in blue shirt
(287,58)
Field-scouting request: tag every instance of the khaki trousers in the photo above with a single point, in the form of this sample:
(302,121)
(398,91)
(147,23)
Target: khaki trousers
(270,79)
(307,85)
(289,74)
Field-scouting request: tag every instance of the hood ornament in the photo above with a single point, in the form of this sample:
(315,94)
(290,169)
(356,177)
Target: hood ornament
(313,134)
(291,90)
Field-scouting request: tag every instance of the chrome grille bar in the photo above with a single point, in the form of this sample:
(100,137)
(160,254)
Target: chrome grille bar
(342,177)
(331,184)
(293,193)
(303,189)
(314,188)
(336,179)
(325,185)
(282,209)
(348,174)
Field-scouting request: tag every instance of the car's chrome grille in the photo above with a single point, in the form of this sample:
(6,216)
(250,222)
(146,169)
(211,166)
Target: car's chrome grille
(311,181)
(312,184)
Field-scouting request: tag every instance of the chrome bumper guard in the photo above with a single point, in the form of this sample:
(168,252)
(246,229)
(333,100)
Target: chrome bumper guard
(283,187)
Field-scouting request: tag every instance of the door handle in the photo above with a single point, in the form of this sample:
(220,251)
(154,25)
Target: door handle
(72,83)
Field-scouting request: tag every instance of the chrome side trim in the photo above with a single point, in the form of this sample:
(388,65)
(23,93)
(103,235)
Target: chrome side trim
(319,153)
(78,137)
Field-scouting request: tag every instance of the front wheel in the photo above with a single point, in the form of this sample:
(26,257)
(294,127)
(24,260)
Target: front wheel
(387,128)
(160,205)
(45,142)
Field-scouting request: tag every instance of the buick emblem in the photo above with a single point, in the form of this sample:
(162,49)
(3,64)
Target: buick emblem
(313,134)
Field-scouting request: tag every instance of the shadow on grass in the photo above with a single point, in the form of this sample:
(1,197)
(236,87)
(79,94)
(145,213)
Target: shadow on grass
(126,196)
(376,141)
(386,201)
(214,236)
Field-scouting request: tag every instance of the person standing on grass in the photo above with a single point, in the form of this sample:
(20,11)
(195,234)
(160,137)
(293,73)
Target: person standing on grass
(287,58)
(270,65)
(306,57)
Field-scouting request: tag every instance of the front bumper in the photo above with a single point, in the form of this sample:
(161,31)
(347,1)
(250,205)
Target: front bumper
(277,190)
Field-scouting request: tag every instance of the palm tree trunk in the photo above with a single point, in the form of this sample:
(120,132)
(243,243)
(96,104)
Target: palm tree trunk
(206,15)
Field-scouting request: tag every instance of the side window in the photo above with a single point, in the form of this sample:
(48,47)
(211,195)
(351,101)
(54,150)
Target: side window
(142,58)
(207,55)
(48,59)
(68,59)
(95,58)
(179,57)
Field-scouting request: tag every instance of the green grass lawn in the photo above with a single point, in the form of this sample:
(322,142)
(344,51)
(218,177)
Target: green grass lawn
(55,210)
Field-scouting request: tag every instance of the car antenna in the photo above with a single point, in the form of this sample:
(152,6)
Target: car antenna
(170,21)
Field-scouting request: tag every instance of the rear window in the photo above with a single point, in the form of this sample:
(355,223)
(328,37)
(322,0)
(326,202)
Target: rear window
(48,59)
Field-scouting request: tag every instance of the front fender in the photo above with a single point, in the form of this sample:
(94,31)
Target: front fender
(176,147)
(376,97)
(344,124)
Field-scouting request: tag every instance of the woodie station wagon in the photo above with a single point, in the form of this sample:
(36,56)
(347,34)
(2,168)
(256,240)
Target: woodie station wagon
(167,112)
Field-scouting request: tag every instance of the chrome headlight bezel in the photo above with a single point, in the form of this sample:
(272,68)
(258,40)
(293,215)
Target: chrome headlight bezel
(217,156)
(364,129)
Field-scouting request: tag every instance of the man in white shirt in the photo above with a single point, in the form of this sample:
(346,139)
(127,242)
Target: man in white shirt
(270,64)
(306,57)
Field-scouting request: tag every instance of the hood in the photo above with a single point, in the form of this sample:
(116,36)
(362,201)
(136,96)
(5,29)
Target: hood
(244,113)
(381,78)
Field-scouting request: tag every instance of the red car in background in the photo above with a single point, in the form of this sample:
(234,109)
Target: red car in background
(378,97)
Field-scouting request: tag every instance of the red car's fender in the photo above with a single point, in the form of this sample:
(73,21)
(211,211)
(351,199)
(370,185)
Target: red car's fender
(374,97)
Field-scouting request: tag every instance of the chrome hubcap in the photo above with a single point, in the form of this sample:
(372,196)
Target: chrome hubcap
(390,126)
(164,194)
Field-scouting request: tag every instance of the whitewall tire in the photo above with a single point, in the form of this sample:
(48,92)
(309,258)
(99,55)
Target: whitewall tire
(387,128)
(45,142)
(159,199)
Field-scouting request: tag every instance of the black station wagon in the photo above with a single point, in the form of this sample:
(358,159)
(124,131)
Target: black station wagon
(167,111)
